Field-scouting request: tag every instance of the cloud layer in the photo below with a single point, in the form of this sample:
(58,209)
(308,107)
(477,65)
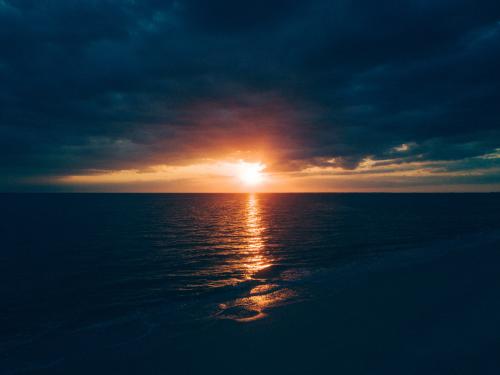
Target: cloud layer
(112,85)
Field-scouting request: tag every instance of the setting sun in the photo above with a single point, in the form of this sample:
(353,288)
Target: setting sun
(250,173)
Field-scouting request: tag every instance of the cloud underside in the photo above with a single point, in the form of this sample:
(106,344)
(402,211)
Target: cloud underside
(330,95)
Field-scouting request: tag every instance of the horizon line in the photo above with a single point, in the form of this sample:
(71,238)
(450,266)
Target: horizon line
(250,192)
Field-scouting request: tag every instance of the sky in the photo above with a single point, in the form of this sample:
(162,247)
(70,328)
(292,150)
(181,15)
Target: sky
(192,95)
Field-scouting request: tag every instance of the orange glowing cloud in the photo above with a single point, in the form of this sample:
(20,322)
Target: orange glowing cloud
(207,175)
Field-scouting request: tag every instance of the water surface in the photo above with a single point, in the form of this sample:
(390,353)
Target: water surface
(78,263)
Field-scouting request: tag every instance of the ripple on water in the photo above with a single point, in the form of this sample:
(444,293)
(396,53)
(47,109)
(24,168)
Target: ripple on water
(255,304)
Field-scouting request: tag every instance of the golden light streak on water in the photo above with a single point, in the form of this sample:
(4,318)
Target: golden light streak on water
(266,295)
(255,246)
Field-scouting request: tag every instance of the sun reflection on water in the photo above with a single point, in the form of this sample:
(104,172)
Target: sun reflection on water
(268,293)
(256,259)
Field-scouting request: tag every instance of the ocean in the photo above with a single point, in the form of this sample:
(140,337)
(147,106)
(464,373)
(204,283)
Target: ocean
(117,283)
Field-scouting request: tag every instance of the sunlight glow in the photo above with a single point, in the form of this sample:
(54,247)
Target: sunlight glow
(250,173)
(204,175)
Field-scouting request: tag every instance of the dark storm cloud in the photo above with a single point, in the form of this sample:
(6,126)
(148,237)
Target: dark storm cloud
(237,16)
(96,85)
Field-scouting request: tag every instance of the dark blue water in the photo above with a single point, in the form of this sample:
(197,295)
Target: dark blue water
(74,263)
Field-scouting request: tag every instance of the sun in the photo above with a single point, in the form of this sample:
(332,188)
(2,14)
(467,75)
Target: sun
(250,173)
